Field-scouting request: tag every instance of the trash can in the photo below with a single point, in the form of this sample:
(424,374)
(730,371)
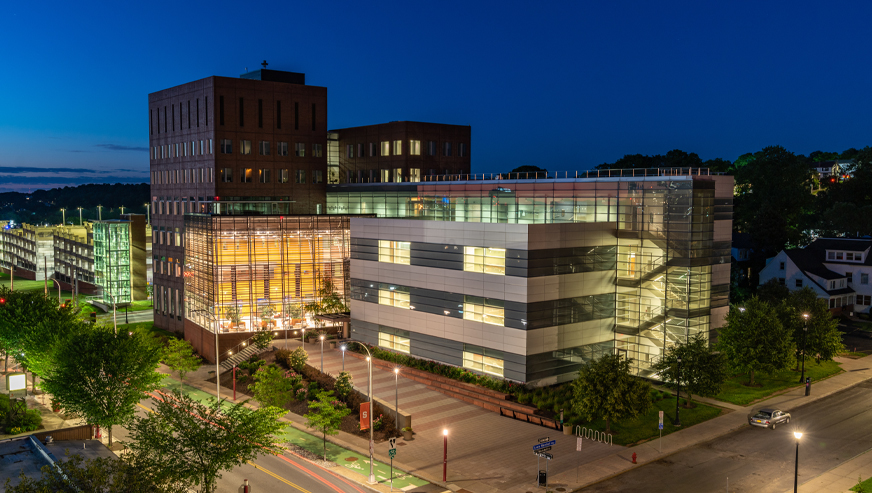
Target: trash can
(543,477)
(807,386)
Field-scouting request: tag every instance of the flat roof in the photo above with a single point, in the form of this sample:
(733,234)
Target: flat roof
(20,455)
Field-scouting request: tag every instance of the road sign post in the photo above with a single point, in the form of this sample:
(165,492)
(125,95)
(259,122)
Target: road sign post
(392,452)
(660,443)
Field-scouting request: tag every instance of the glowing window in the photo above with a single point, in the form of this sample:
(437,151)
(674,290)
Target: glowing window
(484,364)
(486,260)
(484,310)
(395,342)
(393,297)
(394,252)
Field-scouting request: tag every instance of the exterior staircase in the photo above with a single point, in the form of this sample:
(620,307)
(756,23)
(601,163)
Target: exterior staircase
(247,351)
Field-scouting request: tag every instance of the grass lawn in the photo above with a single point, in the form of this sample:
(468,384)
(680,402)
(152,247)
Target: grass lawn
(141,305)
(864,487)
(852,355)
(736,392)
(864,326)
(645,427)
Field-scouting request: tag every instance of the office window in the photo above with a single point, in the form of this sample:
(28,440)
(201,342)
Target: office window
(296,116)
(264,148)
(483,310)
(431,148)
(282,148)
(284,176)
(201,147)
(393,341)
(263,175)
(210,146)
(414,147)
(386,148)
(781,266)
(246,175)
(220,109)
(278,115)
(398,175)
(446,148)
(301,176)
(226,175)
(198,113)
(461,149)
(414,174)
(241,112)
(372,149)
(300,149)
(317,176)
(394,252)
(864,278)
(260,113)
(359,150)
(349,151)
(398,148)
(177,150)
(226,146)
(189,113)
(799,283)
(484,364)
(314,113)
(393,297)
(245,147)
(385,175)
(316,150)
(485,260)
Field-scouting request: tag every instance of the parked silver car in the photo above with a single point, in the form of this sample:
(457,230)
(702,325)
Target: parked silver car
(769,418)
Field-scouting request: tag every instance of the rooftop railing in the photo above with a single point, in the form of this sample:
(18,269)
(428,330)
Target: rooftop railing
(571,175)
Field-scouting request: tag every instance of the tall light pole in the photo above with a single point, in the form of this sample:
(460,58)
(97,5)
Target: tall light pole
(214,319)
(804,335)
(678,393)
(122,210)
(396,397)
(59,289)
(64,217)
(148,214)
(114,317)
(798,435)
(99,212)
(80,215)
(322,352)
(369,390)
(444,455)
(343,357)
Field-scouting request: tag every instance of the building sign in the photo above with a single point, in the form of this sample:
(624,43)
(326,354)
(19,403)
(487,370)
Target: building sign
(16,381)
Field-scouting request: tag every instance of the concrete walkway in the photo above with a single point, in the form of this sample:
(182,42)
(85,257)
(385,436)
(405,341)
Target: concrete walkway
(488,453)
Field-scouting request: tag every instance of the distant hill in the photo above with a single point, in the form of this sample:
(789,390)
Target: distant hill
(44,206)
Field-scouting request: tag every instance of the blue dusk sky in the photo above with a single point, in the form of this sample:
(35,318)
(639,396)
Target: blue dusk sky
(560,85)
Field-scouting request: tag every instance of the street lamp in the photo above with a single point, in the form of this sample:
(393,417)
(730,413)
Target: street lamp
(148,213)
(217,367)
(59,289)
(678,393)
(63,217)
(804,335)
(343,357)
(396,397)
(80,215)
(444,455)
(798,435)
(99,212)
(322,353)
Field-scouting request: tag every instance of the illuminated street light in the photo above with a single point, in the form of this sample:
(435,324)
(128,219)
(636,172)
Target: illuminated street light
(798,435)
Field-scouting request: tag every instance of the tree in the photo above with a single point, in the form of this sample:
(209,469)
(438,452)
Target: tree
(262,338)
(194,442)
(344,385)
(605,389)
(772,292)
(179,356)
(298,359)
(77,474)
(102,376)
(325,415)
(823,340)
(273,387)
(702,370)
(754,340)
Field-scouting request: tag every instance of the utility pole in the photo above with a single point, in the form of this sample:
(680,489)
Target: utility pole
(99,212)
(64,217)
(80,215)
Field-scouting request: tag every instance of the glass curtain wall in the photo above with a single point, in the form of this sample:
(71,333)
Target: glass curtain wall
(112,260)
(257,272)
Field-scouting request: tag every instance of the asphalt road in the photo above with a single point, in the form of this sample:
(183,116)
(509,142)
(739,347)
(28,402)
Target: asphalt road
(761,460)
(269,473)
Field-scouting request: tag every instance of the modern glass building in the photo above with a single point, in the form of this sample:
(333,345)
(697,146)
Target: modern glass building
(112,265)
(249,273)
(527,279)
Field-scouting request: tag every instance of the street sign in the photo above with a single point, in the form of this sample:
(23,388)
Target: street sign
(578,444)
(543,450)
(660,426)
(392,452)
(543,440)
(544,455)
(393,442)
(543,445)
(661,420)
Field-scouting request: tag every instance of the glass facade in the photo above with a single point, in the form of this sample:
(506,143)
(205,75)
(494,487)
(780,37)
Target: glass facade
(112,260)
(256,272)
(662,248)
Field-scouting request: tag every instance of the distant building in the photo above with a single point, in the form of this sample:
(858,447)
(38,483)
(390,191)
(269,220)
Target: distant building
(398,152)
(835,168)
(29,249)
(74,258)
(119,259)
(837,269)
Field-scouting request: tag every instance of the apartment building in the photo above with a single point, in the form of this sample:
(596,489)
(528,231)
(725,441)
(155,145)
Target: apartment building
(29,250)
(528,279)
(74,258)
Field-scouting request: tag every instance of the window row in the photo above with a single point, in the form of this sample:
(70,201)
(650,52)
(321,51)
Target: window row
(166,266)
(474,358)
(395,148)
(176,176)
(177,207)
(185,113)
(264,148)
(475,259)
(846,256)
(168,301)
(260,113)
(265,175)
(182,149)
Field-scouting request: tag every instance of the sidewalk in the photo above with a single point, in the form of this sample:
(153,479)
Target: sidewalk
(841,478)
(488,453)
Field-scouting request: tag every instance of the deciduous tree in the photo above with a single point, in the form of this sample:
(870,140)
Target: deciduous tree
(823,341)
(102,376)
(273,387)
(703,371)
(605,389)
(325,415)
(193,442)
(180,357)
(754,340)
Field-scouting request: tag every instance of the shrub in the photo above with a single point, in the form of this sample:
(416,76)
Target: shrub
(298,359)
(283,357)
(301,394)
(313,390)
(344,385)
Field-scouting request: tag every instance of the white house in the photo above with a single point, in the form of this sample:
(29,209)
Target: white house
(837,269)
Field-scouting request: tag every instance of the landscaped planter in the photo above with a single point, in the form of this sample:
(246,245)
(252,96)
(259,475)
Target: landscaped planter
(407,434)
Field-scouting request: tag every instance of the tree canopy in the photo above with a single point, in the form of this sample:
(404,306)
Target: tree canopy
(605,389)
(703,371)
(754,340)
(822,340)
(179,356)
